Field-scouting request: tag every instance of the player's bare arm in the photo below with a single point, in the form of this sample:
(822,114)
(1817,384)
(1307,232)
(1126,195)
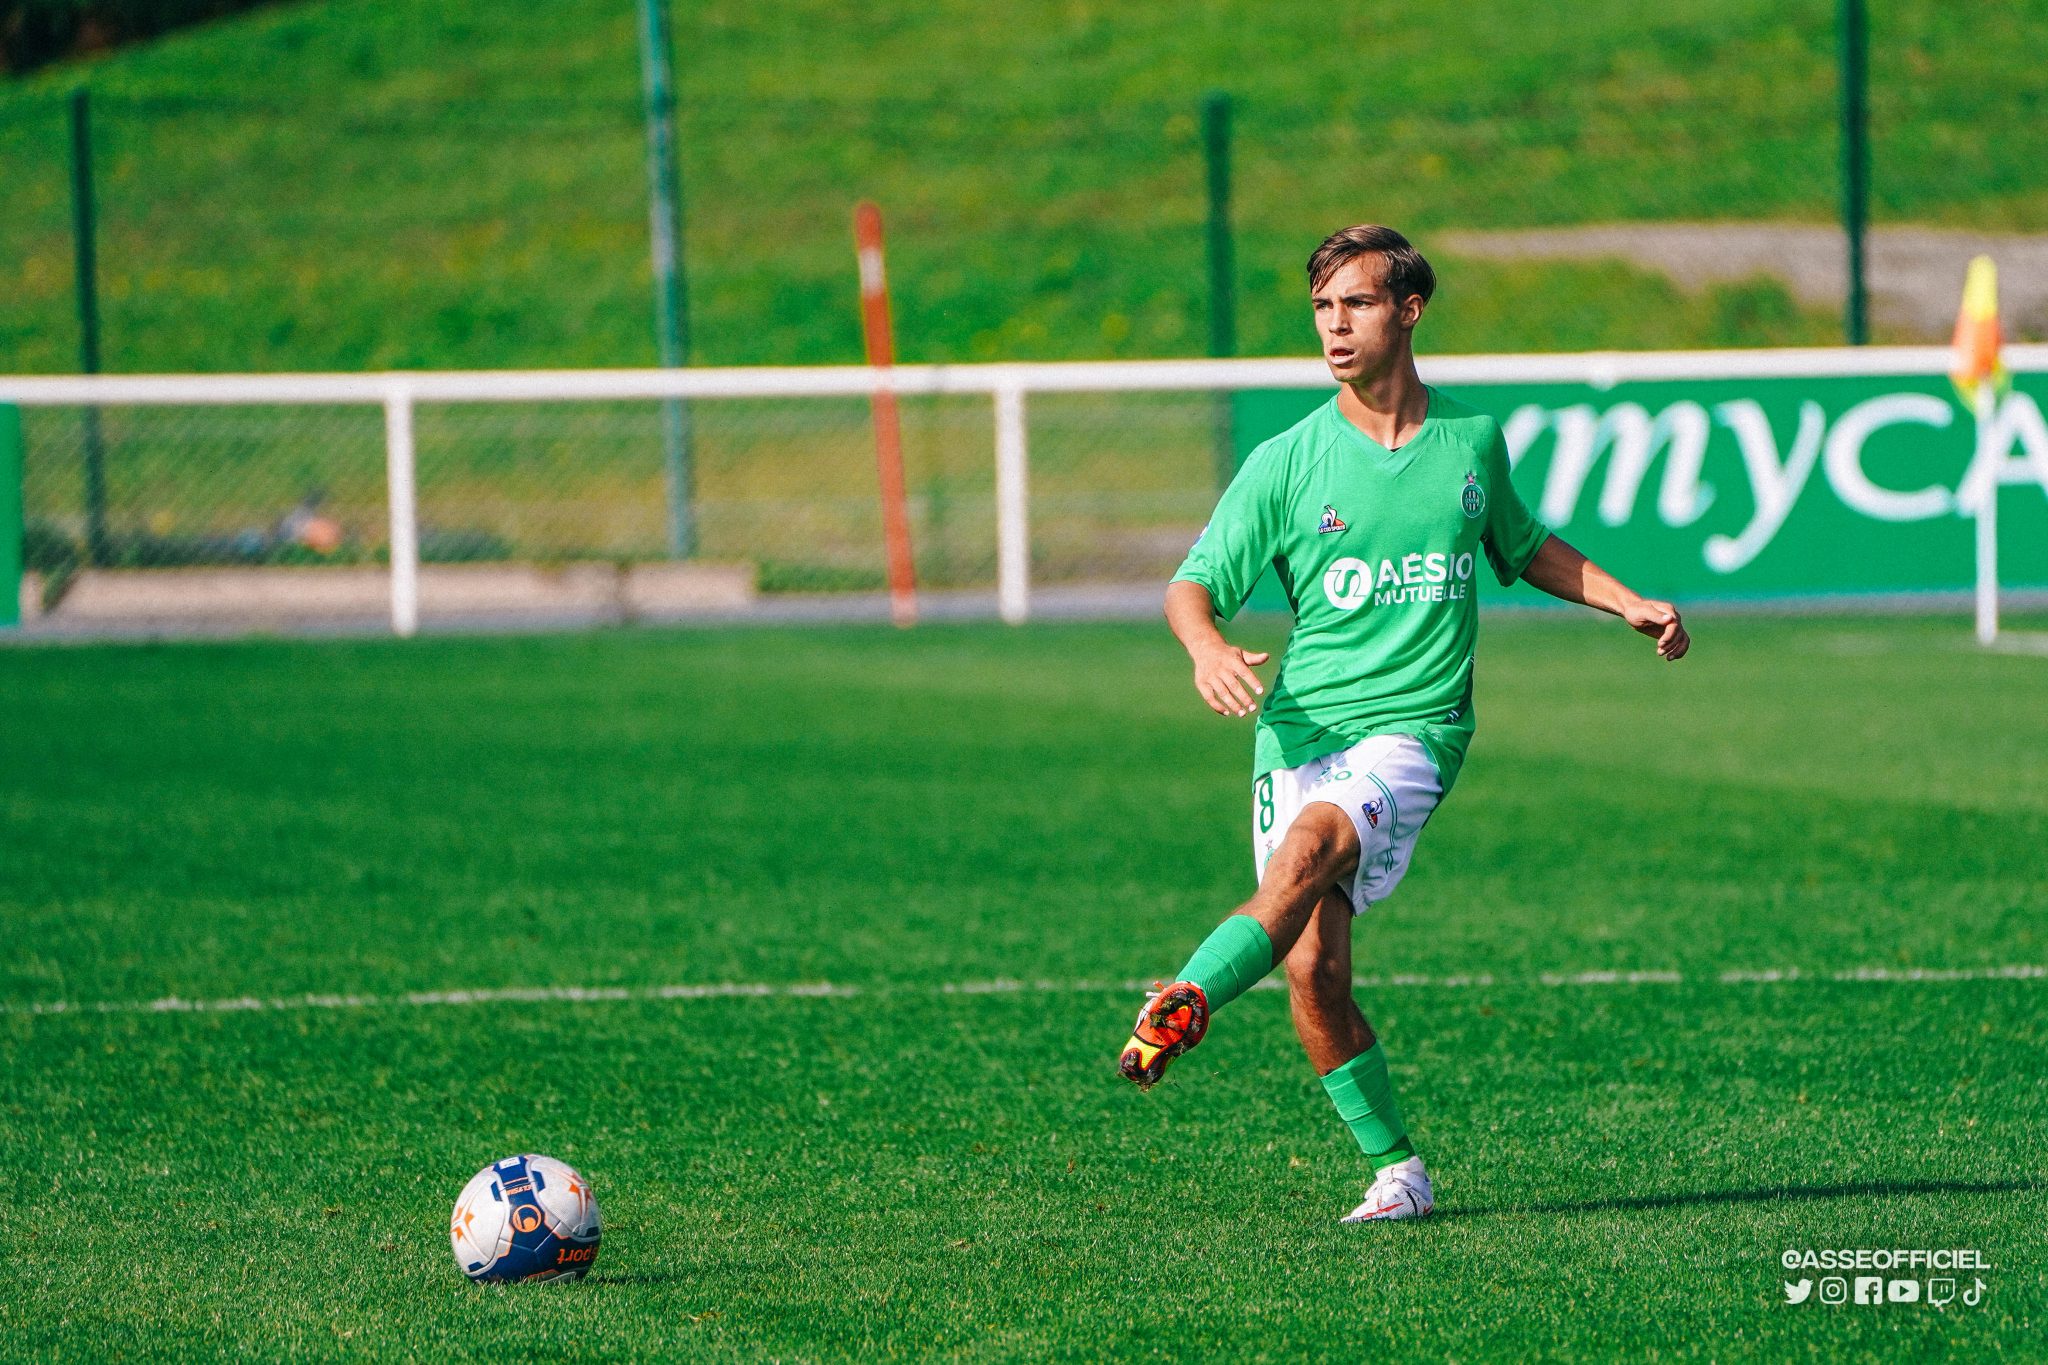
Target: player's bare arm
(1563,572)
(1223,671)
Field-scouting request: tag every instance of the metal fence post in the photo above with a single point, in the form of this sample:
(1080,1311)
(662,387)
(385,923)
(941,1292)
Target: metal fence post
(402,497)
(1013,516)
(1222,263)
(671,297)
(86,273)
(1222,274)
(10,516)
(1855,44)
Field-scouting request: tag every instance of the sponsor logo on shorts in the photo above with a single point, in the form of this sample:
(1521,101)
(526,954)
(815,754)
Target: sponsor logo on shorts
(1373,810)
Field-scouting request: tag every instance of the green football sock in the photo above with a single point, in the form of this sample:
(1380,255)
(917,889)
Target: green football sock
(1231,960)
(1364,1095)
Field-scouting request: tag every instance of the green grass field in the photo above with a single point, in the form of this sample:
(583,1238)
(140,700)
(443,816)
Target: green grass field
(348,184)
(906,1168)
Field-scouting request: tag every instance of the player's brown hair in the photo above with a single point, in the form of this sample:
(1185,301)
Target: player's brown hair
(1406,271)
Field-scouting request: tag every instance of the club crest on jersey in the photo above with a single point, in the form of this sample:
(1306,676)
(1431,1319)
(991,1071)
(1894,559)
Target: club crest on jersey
(1473,499)
(1372,810)
(1330,522)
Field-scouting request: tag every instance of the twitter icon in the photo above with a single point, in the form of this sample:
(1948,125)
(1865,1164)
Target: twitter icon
(1796,1293)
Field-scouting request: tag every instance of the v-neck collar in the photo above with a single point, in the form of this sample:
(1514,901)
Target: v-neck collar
(1393,461)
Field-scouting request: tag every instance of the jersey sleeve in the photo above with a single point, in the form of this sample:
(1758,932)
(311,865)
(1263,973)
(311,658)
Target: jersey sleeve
(1513,535)
(1243,534)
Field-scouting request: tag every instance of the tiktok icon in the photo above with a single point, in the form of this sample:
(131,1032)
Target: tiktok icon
(1942,1292)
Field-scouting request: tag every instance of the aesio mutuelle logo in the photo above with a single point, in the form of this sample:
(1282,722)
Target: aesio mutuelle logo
(1418,577)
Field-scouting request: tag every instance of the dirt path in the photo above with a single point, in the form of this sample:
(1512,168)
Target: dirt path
(1915,274)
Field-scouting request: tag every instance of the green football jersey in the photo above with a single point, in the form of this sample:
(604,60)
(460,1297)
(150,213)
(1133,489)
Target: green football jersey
(1376,551)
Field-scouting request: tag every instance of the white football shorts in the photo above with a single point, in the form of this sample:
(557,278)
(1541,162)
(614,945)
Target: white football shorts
(1386,784)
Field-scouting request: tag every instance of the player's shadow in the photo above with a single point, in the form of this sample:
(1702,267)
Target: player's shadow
(1761,1196)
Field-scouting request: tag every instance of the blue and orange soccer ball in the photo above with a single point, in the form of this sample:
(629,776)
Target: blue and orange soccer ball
(525,1218)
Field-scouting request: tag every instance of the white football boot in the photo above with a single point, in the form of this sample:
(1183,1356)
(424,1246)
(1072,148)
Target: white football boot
(1398,1191)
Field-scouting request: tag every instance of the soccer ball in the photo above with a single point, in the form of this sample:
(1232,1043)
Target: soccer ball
(525,1218)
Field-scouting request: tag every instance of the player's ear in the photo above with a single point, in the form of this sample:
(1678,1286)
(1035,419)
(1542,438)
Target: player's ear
(1411,310)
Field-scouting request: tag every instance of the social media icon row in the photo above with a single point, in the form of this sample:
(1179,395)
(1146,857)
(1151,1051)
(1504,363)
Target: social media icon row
(1870,1289)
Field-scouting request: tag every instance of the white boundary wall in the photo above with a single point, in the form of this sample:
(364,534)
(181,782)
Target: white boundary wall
(1009,385)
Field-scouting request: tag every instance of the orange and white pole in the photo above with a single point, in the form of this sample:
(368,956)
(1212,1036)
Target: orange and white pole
(1978,375)
(874,318)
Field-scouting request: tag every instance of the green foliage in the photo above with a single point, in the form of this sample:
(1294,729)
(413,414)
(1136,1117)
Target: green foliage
(779,576)
(442,545)
(913,1172)
(370,183)
(48,548)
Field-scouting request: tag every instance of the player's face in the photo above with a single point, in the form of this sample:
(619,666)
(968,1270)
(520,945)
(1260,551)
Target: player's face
(1362,326)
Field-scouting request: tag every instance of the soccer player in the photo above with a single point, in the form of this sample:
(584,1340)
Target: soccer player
(1374,511)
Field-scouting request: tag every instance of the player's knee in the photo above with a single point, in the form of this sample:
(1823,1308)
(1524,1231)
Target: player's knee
(1321,845)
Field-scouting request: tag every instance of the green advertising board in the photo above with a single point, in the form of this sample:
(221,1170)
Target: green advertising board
(1753,489)
(10,516)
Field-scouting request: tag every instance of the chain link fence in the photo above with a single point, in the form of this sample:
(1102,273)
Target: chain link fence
(1119,486)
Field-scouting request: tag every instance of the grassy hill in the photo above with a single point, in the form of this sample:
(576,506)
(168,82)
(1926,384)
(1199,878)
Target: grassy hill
(370,183)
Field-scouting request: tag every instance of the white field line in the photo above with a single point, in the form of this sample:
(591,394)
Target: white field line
(499,995)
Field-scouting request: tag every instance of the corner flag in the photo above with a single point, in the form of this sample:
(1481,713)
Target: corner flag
(1977,337)
(1979,376)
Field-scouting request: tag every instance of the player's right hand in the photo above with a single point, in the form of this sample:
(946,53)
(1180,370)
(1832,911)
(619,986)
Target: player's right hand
(1224,677)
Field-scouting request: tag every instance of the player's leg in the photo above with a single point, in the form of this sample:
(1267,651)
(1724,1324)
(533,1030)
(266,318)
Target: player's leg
(1319,851)
(1341,1046)
(1393,786)
(1326,1016)
(1319,855)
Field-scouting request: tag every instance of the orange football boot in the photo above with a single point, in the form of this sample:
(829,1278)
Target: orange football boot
(1173,1020)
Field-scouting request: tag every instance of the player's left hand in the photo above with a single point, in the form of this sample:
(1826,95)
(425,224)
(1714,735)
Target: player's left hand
(1659,621)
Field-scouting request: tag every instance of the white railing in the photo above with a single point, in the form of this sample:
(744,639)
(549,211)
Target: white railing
(1007,384)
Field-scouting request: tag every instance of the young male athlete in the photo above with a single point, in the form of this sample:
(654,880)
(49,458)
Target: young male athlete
(1374,511)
